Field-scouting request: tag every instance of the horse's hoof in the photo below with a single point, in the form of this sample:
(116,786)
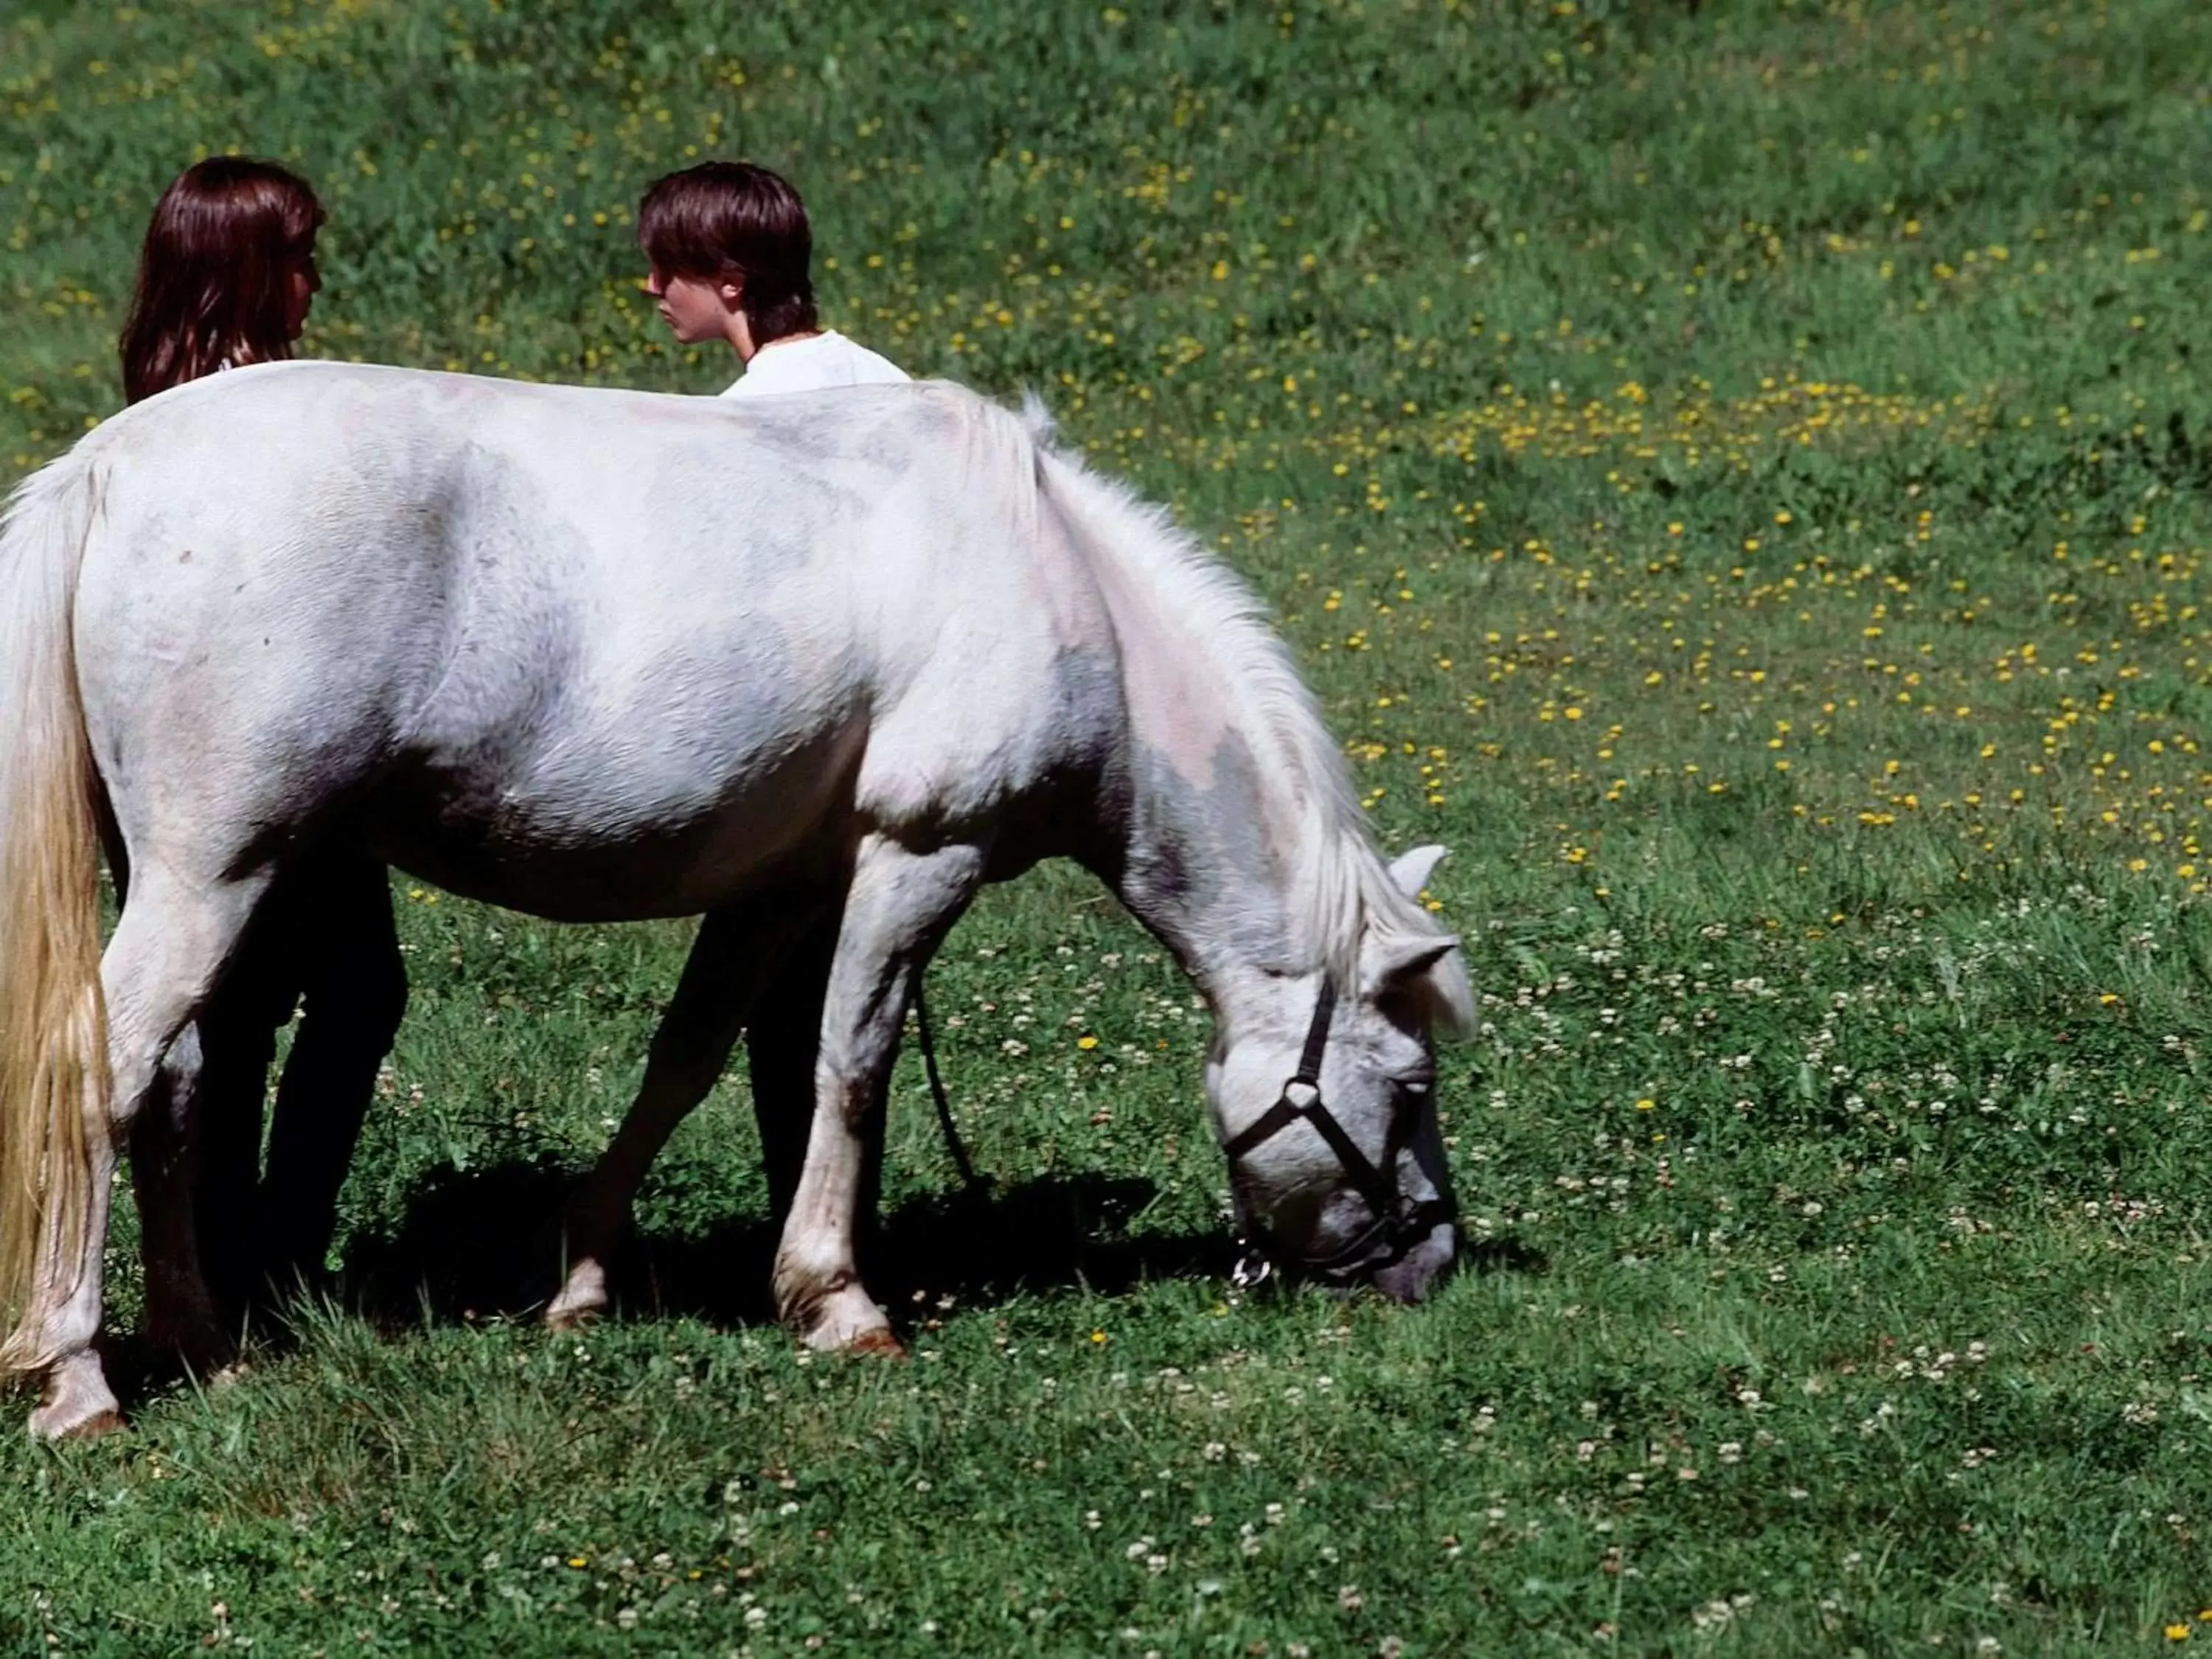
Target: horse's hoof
(99,1424)
(77,1405)
(847,1321)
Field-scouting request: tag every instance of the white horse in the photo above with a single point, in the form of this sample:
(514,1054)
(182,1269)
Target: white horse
(599,656)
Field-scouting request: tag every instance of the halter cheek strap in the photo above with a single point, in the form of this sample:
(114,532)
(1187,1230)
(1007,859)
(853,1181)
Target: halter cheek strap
(1301,1095)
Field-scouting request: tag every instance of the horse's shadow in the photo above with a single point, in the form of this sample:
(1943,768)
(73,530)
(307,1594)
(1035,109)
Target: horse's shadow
(487,1242)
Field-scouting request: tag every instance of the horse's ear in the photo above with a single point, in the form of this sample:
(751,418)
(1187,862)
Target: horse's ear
(1410,871)
(1393,964)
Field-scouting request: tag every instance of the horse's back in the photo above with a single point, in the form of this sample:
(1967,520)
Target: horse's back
(533,622)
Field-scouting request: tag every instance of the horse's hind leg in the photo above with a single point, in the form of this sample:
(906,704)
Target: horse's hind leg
(735,949)
(157,971)
(901,903)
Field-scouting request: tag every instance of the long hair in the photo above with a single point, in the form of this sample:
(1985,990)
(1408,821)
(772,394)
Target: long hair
(724,219)
(215,276)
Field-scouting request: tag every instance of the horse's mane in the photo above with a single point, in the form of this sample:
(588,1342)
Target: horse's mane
(1343,889)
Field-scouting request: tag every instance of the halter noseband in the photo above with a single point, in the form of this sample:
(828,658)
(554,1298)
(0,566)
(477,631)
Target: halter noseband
(1398,1221)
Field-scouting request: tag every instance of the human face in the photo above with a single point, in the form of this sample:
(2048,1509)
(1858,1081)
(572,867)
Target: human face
(302,283)
(696,308)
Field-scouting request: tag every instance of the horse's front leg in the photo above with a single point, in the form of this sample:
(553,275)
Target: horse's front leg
(901,903)
(735,950)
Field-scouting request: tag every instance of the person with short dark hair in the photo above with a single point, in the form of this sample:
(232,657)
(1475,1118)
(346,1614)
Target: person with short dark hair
(226,279)
(729,249)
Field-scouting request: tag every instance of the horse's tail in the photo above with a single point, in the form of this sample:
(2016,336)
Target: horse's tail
(54,1024)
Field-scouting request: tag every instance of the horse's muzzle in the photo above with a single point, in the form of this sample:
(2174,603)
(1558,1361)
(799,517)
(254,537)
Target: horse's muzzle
(1411,1274)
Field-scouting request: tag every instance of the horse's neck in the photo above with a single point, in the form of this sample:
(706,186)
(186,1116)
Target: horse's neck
(1208,851)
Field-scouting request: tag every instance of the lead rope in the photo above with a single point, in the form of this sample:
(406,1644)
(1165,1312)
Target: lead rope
(973,1183)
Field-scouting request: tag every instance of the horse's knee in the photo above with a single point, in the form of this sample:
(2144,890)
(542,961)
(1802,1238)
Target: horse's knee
(857,1096)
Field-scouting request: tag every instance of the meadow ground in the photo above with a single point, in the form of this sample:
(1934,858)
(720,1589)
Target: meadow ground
(1738,474)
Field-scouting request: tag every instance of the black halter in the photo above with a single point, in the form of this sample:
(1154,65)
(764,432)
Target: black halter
(1399,1222)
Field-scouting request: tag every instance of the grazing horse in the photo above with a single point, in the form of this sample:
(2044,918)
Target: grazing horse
(605,656)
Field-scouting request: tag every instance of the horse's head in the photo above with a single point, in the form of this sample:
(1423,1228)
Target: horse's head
(1325,1097)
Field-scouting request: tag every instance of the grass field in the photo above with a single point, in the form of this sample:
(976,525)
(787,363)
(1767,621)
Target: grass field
(1738,474)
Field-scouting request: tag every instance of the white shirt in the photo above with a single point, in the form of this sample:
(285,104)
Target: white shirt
(826,360)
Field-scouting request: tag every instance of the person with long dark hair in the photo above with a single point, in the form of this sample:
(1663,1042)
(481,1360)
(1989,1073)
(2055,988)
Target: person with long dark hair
(227,275)
(227,279)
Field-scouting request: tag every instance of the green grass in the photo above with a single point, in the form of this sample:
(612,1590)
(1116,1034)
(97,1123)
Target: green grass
(1739,475)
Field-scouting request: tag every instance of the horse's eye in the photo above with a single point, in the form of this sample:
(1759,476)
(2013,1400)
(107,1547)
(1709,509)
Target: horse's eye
(1415,1086)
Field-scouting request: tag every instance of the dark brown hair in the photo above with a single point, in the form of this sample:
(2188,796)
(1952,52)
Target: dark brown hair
(731,219)
(213,277)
